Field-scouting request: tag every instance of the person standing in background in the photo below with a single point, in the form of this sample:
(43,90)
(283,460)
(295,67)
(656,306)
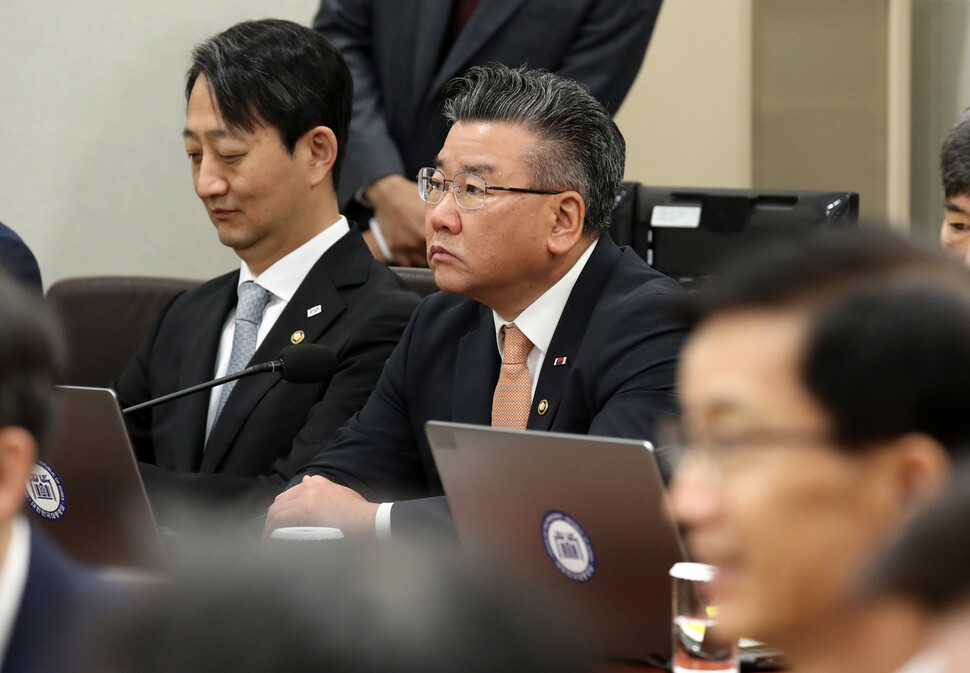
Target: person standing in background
(402,52)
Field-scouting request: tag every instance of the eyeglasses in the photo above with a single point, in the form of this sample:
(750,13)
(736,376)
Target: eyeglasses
(676,442)
(470,190)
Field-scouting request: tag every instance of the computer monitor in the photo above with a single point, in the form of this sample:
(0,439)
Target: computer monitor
(687,232)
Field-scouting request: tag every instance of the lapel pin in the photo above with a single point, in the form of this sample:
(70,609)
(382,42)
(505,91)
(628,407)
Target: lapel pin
(297,336)
(543,407)
(310,312)
(559,361)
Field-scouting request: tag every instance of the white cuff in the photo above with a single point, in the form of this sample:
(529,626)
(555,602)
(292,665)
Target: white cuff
(382,522)
(379,238)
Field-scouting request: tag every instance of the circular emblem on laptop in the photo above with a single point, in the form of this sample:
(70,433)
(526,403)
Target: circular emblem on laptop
(568,546)
(45,492)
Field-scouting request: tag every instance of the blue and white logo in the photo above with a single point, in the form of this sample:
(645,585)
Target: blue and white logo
(568,546)
(45,492)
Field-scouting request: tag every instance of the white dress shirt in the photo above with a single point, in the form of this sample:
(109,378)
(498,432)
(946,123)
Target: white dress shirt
(13,579)
(538,323)
(282,281)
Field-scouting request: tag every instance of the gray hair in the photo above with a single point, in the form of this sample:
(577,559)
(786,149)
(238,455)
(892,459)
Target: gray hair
(955,157)
(579,146)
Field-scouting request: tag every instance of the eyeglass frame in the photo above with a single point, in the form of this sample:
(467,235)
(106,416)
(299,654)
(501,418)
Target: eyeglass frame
(454,193)
(676,442)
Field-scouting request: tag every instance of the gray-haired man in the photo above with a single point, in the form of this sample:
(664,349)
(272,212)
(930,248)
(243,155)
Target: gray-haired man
(532,163)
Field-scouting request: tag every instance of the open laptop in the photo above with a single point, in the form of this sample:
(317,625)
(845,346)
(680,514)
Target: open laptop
(87,492)
(585,517)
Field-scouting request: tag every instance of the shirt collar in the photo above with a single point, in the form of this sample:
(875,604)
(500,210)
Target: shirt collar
(13,579)
(539,320)
(284,277)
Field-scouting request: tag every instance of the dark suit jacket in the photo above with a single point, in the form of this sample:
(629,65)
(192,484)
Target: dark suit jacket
(394,50)
(269,428)
(60,601)
(621,345)
(17,259)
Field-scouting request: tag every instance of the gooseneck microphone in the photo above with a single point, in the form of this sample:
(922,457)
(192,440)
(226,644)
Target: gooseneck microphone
(305,363)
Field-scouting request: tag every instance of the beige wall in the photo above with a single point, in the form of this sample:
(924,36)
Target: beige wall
(93,173)
(687,120)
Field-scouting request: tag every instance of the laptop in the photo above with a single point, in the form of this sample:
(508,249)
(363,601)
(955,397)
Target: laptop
(584,517)
(87,493)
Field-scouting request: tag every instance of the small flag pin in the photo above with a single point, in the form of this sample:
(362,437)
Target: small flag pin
(310,312)
(559,361)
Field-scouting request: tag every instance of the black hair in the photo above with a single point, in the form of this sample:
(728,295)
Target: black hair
(955,158)
(888,346)
(578,147)
(281,72)
(893,357)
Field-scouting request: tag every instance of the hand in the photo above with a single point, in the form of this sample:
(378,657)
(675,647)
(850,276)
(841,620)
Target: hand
(317,501)
(400,213)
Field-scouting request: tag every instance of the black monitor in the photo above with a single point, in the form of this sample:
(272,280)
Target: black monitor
(686,232)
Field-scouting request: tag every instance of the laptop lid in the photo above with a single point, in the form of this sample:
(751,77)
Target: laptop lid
(87,493)
(585,517)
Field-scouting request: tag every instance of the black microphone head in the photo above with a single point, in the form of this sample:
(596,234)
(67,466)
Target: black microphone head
(307,363)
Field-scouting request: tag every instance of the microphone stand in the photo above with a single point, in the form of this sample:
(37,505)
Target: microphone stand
(271,366)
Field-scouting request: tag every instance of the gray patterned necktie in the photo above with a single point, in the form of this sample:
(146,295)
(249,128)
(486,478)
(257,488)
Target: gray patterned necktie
(249,311)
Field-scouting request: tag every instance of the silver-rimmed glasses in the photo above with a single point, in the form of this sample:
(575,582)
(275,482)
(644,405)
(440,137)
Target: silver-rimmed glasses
(470,190)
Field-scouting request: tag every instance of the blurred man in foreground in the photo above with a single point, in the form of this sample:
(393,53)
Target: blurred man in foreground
(339,607)
(45,599)
(928,567)
(823,391)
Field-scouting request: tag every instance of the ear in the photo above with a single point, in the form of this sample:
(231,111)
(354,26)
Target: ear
(569,214)
(322,146)
(920,467)
(18,453)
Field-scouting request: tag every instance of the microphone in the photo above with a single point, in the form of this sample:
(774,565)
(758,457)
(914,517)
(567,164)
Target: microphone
(305,363)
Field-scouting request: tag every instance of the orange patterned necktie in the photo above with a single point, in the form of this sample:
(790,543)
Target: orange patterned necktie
(513,392)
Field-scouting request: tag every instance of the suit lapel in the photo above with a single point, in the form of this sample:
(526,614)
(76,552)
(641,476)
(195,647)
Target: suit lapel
(570,332)
(476,372)
(198,365)
(431,21)
(343,264)
(488,18)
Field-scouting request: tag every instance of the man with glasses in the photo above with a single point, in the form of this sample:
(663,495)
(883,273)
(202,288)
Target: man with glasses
(823,390)
(401,52)
(544,323)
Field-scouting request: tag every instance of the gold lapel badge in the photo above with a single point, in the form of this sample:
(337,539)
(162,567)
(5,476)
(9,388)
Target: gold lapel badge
(543,407)
(297,336)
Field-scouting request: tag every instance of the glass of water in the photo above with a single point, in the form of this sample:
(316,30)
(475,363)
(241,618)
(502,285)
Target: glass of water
(697,645)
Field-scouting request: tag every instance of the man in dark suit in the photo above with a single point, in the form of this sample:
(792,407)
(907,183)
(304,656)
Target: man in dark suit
(18,260)
(45,599)
(268,105)
(401,52)
(557,328)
